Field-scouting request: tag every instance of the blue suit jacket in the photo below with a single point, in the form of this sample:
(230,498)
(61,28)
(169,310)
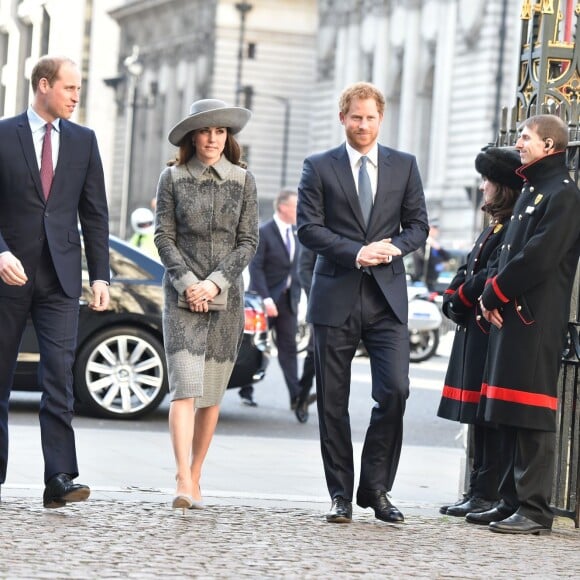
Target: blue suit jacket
(77,193)
(330,223)
(271,266)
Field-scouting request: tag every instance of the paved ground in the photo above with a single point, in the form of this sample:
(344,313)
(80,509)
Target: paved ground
(259,522)
(136,535)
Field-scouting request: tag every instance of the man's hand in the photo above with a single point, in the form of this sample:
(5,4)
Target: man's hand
(492,316)
(100,300)
(376,253)
(11,270)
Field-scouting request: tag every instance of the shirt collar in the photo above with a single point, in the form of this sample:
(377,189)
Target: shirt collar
(282,226)
(221,167)
(37,122)
(354,155)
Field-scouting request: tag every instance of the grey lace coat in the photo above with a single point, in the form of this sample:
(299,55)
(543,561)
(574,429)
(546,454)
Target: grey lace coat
(206,228)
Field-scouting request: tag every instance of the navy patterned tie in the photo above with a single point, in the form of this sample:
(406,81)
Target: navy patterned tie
(46,169)
(365,192)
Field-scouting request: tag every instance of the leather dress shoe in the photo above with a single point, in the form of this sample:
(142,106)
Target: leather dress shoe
(443,509)
(248,400)
(518,524)
(474,505)
(295,401)
(378,500)
(340,512)
(495,514)
(61,490)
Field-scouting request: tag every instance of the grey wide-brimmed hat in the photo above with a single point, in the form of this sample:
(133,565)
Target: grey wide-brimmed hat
(210,113)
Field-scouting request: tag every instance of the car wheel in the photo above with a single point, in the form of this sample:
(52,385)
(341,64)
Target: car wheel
(423,344)
(121,373)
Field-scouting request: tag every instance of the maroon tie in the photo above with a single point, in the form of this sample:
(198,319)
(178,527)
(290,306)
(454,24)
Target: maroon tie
(46,170)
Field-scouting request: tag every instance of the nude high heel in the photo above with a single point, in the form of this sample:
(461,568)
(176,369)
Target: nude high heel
(182,502)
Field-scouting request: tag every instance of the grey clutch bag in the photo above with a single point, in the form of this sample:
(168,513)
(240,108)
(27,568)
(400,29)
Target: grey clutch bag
(218,303)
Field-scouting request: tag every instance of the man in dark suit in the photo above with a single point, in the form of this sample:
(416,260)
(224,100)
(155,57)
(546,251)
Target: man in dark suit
(273,275)
(359,292)
(50,178)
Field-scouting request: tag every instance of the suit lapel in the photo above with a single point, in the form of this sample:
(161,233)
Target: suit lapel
(25,137)
(341,164)
(384,169)
(278,237)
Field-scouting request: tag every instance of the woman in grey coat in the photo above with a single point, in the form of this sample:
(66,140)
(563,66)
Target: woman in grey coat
(206,233)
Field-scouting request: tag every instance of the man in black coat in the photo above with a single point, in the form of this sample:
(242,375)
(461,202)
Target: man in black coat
(527,299)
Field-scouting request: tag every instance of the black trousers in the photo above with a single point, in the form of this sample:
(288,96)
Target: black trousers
(484,477)
(285,325)
(387,343)
(55,319)
(527,469)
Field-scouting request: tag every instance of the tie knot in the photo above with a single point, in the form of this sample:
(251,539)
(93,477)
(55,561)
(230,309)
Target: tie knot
(48,128)
(363,160)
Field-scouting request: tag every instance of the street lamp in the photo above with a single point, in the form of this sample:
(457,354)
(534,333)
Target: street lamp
(286,102)
(243,8)
(134,69)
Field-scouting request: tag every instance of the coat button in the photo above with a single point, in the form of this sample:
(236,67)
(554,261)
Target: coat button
(531,189)
(478,317)
(513,216)
(520,217)
(502,246)
(519,308)
(509,246)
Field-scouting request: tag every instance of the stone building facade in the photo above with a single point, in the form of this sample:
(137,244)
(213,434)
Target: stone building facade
(445,66)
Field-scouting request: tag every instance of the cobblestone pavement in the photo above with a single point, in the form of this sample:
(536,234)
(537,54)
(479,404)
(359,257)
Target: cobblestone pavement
(134,535)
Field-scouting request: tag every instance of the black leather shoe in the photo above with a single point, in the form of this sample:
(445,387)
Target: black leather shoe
(60,490)
(484,518)
(518,524)
(340,512)
(443,509)
(475,505)
(301,413)
(295,401)
(378,500)
(248,400)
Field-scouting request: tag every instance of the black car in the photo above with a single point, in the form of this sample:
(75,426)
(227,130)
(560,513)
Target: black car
(120,370)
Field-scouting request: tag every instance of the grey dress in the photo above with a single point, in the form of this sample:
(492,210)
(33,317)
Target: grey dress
(206,228)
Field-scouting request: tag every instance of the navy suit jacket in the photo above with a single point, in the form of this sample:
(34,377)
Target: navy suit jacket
(330,223)
(271,266)
(77,194)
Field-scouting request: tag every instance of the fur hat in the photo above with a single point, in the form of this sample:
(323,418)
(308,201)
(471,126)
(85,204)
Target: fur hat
(210,113)
(499,165)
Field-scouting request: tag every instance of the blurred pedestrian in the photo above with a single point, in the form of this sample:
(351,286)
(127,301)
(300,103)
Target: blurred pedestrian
(500,186)
(274,276)
(51,179)
(206,233)
(359,291)
(306,261)
(143,224)
(430,259)
(527,299)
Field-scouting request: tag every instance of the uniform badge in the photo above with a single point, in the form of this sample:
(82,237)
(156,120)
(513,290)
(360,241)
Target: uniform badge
(497,228)
(538,199)
(530,209)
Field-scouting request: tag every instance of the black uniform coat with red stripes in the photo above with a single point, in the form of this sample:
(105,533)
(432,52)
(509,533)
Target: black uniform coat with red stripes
(532,286)
(461,391)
